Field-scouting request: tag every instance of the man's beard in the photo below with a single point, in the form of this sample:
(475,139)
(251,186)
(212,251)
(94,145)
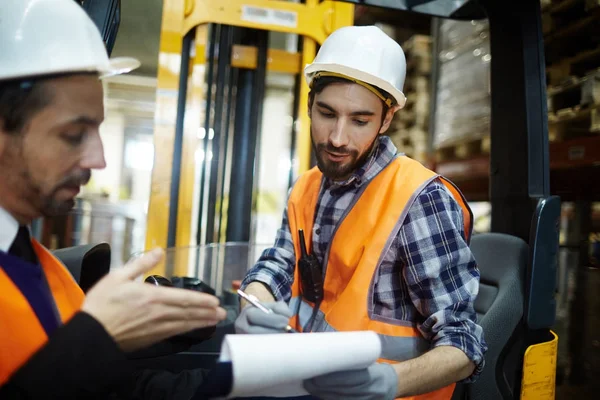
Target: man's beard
(51,206)
(340,171)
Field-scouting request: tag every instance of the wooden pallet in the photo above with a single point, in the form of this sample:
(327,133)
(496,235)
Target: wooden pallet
(418,65)
(577,36)
(578,66)
(413,142)
(418,56)
(415,113)
(574,122)
(462,150)
(559,14)
(575,92)
(418,44)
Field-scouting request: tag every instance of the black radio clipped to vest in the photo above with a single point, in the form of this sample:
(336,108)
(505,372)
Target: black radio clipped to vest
(311,274)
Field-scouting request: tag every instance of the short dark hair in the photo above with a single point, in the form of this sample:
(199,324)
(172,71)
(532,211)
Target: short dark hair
(19,100)
(319,84)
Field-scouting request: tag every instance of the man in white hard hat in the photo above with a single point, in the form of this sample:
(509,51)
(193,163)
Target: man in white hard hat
(386,240)
(54,341)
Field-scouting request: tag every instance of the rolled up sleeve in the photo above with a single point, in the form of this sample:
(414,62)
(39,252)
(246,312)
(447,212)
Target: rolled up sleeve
(441,274)
(275,266)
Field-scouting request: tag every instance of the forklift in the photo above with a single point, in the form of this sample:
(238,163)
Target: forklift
(517,259)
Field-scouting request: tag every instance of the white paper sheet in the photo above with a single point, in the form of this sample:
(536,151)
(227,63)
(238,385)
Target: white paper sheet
(277,364)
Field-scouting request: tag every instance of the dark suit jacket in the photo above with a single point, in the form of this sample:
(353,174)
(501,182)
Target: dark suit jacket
(81,361)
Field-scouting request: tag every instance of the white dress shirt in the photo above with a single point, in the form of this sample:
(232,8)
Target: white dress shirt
(9,227)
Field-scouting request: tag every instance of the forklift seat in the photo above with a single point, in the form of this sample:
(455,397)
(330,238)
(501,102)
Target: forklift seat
(502,261)
(86,263)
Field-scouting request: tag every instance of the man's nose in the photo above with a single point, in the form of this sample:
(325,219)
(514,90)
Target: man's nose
(337,137)
(93,154)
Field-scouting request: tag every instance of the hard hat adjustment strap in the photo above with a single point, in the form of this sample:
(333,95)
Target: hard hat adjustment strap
(371,88)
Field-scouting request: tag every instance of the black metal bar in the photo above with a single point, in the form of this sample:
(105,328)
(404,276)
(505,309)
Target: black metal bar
(262,41)
(232,83)
(243,155)
(535,101)
(518,127)
(210,58)
(247,124)
(224,60)
(178,141)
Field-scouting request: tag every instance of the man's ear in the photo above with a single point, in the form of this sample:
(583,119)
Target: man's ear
(388,119)
(310,101)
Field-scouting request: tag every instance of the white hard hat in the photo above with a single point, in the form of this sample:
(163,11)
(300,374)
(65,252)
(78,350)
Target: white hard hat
(44,37)
(366,55)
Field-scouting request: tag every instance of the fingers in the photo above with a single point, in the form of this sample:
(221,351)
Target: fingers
(344,378)
(258,318)
(182,297)
(282,308)
(196,317)
(340,385)
(141,265)
(255,330)
(184,304)
(172,312)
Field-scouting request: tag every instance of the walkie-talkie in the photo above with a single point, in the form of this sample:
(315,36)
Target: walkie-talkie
(311,274)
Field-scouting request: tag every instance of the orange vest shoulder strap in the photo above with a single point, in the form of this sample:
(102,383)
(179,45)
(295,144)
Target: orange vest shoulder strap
(22,334)
(302,205)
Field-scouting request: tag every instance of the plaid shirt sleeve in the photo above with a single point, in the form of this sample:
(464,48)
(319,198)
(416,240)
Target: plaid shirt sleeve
(441,273)
(275,266)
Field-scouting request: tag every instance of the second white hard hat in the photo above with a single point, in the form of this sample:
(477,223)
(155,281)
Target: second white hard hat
(364,54)
(45,37)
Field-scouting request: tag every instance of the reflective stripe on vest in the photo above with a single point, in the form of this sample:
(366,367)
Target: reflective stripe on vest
(362,236)
(393,348)
(21,333)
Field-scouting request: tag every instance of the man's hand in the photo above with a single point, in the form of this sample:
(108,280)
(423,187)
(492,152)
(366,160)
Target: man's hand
(138,315)
(253,320)
(378,381)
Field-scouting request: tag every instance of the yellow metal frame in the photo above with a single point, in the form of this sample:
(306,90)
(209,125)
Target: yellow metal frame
(539,371)
(314,21)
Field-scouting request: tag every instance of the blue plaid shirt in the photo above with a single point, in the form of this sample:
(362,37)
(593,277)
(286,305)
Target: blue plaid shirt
(428,277)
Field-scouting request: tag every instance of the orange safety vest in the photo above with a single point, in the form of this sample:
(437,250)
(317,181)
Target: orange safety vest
(355,252)
(21,333)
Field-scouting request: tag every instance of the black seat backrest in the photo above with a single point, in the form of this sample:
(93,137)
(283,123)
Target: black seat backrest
(87,263)
(502,261)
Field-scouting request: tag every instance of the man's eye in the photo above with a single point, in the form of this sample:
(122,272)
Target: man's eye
(74,139)
(360,123)
(327,114)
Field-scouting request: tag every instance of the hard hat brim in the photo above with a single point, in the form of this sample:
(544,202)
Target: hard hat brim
(311,69)
(119,65)
(114,66)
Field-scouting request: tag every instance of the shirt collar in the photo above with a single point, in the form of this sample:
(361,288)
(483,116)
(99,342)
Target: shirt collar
(382,154)
(9,227)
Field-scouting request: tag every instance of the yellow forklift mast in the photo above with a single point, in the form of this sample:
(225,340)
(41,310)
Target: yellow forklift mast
(214,56)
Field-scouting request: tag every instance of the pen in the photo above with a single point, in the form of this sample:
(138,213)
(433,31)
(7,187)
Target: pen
(256,303)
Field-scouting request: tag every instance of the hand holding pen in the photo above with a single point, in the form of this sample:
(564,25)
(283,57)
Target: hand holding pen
(263,317)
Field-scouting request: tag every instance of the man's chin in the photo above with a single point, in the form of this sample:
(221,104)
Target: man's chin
(334,172)
(57,208)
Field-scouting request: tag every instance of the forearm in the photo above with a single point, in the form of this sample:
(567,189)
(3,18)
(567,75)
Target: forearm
(272,276)
(260,291)
(433,370)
